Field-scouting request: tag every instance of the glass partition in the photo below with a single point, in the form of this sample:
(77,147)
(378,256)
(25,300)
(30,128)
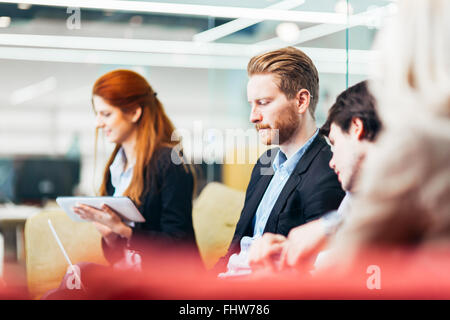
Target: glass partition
(194,54)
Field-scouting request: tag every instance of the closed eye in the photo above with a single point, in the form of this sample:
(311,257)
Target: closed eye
(262,102)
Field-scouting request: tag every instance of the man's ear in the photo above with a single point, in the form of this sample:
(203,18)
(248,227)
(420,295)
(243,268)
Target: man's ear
(357,128)
(136,115)
(303,99)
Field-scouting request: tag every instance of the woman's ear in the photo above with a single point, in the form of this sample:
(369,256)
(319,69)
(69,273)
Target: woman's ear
(136,115)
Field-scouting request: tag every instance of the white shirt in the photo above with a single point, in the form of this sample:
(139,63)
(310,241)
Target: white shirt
(120,180)
(331,222)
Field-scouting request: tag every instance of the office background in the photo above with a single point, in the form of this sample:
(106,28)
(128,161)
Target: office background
(193,53)
(196,63)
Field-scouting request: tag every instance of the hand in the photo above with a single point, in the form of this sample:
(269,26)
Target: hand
(106,217)
(265,251)
(303,244)
(108,235)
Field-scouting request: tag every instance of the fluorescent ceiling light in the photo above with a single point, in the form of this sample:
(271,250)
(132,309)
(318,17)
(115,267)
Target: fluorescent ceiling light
(23,6)
(288,31)
(241,23)
(327,60)
(114,45)
(342,7)
(322,30)
(5,22)
(130,45)
(194,10)
(33,91)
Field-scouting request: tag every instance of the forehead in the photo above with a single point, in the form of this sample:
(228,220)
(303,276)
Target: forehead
(100,104)
(261,86)
(335,131)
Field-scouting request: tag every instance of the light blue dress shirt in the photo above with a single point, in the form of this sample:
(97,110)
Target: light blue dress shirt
(120,179)
(283,169)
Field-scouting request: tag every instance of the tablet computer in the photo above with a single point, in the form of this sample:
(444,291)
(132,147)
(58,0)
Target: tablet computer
(122,205)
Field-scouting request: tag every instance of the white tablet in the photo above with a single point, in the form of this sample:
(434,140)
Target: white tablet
(122,205)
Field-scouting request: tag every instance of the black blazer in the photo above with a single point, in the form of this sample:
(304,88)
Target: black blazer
(166,207)
(311,191)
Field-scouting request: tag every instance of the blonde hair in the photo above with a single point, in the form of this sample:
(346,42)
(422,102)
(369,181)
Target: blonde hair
(294,71)
(412,79)
(403,194)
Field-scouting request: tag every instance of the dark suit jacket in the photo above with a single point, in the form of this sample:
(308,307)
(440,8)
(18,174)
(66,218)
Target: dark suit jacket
(166,207)
(311,191)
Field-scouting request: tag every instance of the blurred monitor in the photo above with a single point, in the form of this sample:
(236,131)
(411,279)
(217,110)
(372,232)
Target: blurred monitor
(35,179)
(206,173)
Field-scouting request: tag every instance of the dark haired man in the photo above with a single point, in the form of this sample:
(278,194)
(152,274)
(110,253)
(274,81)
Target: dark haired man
(351,127)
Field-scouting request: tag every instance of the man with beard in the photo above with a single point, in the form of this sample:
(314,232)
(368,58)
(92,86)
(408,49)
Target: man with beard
(351,127)
(292,184)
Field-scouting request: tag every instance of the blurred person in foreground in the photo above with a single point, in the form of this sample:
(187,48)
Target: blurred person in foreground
(404,195)
(352,127)
(293,184)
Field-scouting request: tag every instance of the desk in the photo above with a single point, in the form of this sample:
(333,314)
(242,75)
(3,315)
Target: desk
(12,223)
(12,244)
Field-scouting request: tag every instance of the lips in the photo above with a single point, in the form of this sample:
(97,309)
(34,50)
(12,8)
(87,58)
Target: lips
(262,127)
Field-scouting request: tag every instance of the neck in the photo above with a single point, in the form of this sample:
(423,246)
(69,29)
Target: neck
(364,147)
(129,149)
(305,131)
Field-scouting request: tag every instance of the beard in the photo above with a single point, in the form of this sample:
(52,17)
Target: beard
(283,129)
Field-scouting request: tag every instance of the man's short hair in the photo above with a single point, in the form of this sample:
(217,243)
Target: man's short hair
(355,102)
(293,69)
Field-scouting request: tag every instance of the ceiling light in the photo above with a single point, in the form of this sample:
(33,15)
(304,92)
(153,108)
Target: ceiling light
(5,22)
(288,31)
(341,7)
(23,6)
(195,10)
(136,21)
(33,91)
(108,13)
(241,23)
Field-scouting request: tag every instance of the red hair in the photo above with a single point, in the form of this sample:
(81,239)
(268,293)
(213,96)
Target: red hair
(127,90)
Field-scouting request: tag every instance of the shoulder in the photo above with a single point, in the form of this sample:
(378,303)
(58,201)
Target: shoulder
(168,159)
(263,165)
(319,174)
(324,153)
(162,154)
(267,157)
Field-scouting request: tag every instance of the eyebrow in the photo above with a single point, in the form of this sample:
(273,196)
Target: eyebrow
(263,98)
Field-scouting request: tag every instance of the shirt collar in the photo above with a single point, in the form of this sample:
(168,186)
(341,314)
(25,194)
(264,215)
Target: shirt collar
(281,161)
(119,161)
(116,167)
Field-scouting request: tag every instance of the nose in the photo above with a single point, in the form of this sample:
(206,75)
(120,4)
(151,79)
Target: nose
(332,164)
(99,122)
(255,116)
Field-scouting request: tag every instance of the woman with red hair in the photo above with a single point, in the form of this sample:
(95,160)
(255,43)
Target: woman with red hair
(141,167)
